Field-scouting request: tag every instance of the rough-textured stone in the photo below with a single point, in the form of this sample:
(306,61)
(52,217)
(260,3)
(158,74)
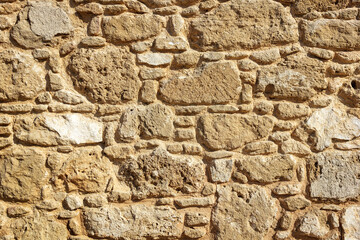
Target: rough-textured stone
(350,222)
(334,175)
(105,76)
(313,224)
(228,132)
(138,221)
(154,59)
(130,27)
(324,33)
(220,170)
(211,83)
(231,26)
(243,212)
(306,6)
(22,174)
(21,78)
(160,174)
(267,169)
(333,123)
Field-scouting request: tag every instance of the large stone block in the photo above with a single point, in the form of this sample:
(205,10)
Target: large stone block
(243,24)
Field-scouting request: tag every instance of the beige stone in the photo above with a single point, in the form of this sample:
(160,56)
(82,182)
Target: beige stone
(295,203)
(130,27)
(267,169)
(220,29)
(196,219)
(171,44)
(195,88)
(305,6)
(221,131)
(243,212)
(195,202)
(106,75)
(260,148)
(350,222)
(313,224)
(220,170)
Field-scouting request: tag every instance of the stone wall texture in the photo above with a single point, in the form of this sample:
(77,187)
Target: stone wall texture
(180,119)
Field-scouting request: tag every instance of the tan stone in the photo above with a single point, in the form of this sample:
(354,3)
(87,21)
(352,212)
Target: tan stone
(22,174)
(130,27)
(218,80)
(267,169)
(196,219)
(313,224)
(221,131)
(195,202)
(260,148)
(295,203)
(305,6)
(243,212)
(105,75)
(350,222)
(160,174)
(224,29)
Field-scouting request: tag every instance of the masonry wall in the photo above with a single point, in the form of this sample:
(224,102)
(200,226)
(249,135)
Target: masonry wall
(180,119)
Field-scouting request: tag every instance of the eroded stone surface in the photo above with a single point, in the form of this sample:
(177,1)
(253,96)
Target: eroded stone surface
(350,222)
(21,78)
(160,174)
(22,174)
(106,75)
(137,221)
(221,131)
(334,175)
(231,26)
(243,212)
(211,83)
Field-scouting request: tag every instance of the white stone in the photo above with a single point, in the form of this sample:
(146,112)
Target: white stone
(155,59)
(73,202)
(75,128)
(333,123)
(221,169)
(350,222)
(310,225)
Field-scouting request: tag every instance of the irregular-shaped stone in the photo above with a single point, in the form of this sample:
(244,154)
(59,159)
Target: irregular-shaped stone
(47,21)
(306,6)
(324,33)
(106,75)
(239,24)
(160,174)
(130,27)
(334,175)
(21,78)
(267,169)
(295,78)
(243,212)
(350,222)
(331,123)
(313,224)
(220,170)
(133,222)
(22,174)
(155,59)
(211,83)
(223,131)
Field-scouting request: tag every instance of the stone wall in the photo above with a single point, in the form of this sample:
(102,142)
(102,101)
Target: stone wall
(180,119)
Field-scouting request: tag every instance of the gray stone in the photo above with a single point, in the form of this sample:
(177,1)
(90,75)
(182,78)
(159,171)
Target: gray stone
(154,59)
(133,222)
(334,175)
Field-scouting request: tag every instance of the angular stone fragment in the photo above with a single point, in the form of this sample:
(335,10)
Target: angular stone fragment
(287,189)
(334,175)
(295,203)
(223,131)
(324,33)
(160,174)
(331,123)
(133,222)
(21,78)
(313,224)
(267,169)
(211,83)
(22,174)
(243,212)
(39,227)
(130,27)
(171,44)
(73,202)
(220,170)
(106,75)
(295,78)
(350,222)
(48,21)
(241,24)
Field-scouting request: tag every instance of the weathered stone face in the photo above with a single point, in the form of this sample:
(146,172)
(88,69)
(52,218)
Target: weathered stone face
(231,26)
(22,174)
(130,27)
(350,222)
(228,132)
(211,83)
(138,221)
(334,175)
(108,75)
(243,212)
(161,175)
(21,78)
